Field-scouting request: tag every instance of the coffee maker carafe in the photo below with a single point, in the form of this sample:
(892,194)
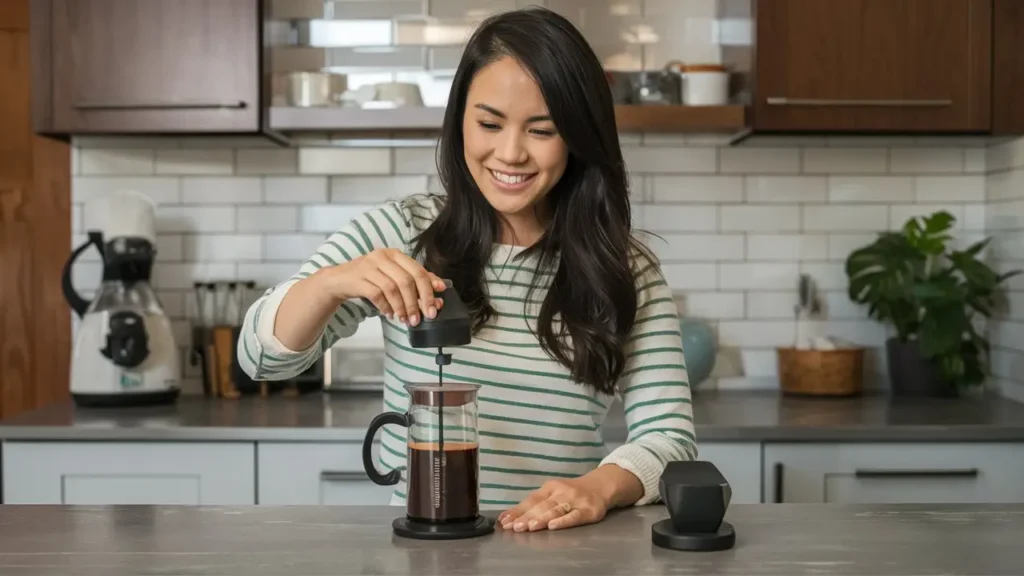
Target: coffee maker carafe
(442,447)
(124,351)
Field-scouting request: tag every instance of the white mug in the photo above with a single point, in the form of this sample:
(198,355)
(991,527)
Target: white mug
(705,86)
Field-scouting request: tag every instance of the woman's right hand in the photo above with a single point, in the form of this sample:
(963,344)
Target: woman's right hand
(397,285)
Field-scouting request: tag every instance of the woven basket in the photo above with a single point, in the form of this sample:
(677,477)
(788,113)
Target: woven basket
(821,372)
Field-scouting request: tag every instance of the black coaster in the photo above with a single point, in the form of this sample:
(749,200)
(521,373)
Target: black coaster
(664,535)
(452,531)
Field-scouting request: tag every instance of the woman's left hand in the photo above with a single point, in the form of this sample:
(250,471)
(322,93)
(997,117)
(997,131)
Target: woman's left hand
(555,505)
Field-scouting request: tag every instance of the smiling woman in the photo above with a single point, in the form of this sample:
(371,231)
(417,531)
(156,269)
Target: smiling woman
(570,310)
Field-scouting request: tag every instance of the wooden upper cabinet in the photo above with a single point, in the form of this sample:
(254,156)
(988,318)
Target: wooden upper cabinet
(873,65)
(146,66)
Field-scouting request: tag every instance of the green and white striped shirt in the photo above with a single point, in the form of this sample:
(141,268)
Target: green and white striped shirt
(535,423)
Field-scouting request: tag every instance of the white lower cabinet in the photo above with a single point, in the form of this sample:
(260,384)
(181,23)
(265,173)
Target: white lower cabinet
(294,473)
(884,473)
(110,473)
(739,462)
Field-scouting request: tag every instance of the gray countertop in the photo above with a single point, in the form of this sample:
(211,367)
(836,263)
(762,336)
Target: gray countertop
(771,539)
(719,416)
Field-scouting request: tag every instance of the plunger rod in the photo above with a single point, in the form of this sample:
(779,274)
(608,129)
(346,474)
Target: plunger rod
(440,400)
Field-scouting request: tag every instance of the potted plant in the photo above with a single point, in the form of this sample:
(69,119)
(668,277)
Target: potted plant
(931,295)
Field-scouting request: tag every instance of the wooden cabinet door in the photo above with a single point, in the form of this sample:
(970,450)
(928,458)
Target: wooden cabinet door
(154,66)
(873,65)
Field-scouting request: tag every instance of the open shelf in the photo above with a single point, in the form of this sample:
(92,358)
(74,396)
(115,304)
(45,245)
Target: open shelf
(654,118)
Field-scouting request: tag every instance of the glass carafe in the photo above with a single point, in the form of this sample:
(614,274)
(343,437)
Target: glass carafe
(442,451)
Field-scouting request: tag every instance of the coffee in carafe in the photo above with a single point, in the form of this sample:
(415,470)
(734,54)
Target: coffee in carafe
(443,469)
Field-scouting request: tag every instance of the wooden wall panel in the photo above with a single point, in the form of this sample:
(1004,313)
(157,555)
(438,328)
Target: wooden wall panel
(35,238)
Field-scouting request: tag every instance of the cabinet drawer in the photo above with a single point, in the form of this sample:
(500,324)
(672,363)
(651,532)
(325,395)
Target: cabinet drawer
(148,473)
(317,473)
(739,462)
(894,473)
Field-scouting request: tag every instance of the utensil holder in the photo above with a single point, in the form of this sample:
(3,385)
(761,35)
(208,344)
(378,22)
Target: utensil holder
(821,372)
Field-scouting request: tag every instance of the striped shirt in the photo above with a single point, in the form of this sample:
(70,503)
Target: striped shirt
(535,423)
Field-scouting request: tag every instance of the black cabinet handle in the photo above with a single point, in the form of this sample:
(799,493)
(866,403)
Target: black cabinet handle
(778,483)
(922,473)
(198,105)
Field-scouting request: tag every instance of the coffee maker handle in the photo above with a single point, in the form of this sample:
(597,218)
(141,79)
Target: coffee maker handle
(392,477)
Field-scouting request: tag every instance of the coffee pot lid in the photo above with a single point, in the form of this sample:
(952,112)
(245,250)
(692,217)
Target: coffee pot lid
(122,214)
(448,394)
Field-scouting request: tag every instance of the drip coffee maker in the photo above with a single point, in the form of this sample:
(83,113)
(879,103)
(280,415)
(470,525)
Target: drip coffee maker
(442,448)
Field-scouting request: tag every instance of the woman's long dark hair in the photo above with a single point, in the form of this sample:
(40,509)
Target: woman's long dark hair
(588,236)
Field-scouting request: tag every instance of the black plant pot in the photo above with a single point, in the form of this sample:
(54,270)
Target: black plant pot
(910,374)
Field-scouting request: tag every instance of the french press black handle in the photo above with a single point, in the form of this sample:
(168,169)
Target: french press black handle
(392,477)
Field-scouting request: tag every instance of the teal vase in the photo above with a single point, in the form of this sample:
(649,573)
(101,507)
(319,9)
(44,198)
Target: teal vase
(699,349)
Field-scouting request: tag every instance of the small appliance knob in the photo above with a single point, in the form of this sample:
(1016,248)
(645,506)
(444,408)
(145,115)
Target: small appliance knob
(127,343)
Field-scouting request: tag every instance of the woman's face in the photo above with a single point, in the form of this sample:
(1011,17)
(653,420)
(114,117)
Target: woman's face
(512,148)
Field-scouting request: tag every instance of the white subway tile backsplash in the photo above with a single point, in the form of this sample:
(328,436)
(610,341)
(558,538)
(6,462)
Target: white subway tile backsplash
(415,161)
(268,219)
(926,160)
(292,247)
(760,160)
(870,189)
(771,305)
(841,245)
(196,219)
(950,189)
(670,160)
(786,189)
(765,218)
(787,247)
(344,161)
(698,247)
(221,190)
(975,160)
(734,226)
(375,189)
(712,305)
(835,218)
(844,160)
(329,218)
(295,189)
(698,189)
(272,161)
(223,248)
(826,275)
(690,276)
(195,162)
(758,276)
(760,334)
(161,190)
(99,161)
(684,218)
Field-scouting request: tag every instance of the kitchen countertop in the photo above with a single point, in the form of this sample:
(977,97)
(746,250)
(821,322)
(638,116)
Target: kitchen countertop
(771,539)
(720,416)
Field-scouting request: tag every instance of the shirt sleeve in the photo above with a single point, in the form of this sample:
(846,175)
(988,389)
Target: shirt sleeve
(261,355)
(655,389)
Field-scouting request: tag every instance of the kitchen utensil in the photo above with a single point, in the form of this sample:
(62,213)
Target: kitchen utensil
(442,474)
(313,89)
(124,352)
(224,294)
(697,496)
